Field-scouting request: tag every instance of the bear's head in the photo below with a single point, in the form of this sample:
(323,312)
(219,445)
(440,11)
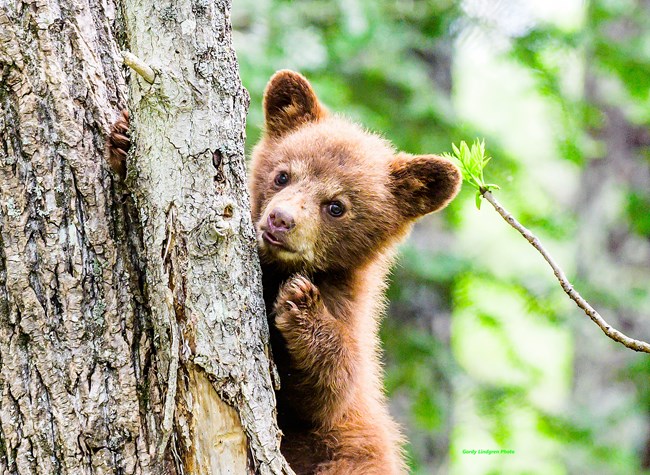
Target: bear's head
(329,195)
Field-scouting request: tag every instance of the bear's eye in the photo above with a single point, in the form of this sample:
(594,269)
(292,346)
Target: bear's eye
(281,179)
(336,209)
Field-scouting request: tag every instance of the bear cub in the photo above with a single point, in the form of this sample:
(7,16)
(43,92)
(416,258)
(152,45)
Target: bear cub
(330,201)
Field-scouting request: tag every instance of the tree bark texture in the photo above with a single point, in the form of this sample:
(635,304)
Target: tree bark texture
(189,181)
(132,330)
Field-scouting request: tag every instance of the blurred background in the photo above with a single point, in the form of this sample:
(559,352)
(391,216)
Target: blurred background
(483,350)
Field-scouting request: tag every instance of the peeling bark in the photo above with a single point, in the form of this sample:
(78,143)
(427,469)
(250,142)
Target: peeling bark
(133,338)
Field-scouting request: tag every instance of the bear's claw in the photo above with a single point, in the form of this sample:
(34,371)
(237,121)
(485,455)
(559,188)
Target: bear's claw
(298,299)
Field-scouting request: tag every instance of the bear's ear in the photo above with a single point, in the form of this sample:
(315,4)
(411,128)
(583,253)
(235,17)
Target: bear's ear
(289,102)
(423,183)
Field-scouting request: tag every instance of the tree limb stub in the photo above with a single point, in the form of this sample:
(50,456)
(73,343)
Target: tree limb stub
(613,333)
(139,66)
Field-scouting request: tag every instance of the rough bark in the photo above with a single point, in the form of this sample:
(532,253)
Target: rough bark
(75,346)
(189,180)
(103,293)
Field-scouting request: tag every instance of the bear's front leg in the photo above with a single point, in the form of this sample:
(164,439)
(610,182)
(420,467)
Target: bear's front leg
(320,346)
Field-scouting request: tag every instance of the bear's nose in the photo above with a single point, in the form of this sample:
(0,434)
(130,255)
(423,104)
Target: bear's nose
(280,221)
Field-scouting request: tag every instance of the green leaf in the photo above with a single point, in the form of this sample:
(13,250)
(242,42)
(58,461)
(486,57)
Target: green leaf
(472,162)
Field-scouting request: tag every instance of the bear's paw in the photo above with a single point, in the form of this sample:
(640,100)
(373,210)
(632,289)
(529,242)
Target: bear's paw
(298,303)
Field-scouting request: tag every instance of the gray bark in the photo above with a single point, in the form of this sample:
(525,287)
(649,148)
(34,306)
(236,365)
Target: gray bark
(132,330)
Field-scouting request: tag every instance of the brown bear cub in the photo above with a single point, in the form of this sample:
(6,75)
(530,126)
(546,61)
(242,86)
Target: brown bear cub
(329,202)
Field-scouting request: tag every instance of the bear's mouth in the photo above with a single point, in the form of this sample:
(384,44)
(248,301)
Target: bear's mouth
(275,241)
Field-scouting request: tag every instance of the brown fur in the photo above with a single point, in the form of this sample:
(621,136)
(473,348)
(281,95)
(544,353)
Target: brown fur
(324,276)
(118,144)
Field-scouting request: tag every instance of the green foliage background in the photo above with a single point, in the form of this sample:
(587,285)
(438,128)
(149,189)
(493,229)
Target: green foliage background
(483,350)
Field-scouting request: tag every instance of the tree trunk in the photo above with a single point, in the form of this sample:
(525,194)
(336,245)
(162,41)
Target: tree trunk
(132,331)
(609,254)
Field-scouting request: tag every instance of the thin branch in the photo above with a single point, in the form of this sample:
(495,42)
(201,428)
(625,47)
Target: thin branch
(614,334)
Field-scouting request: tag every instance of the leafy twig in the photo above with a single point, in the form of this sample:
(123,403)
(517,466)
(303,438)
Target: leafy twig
(472,162)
